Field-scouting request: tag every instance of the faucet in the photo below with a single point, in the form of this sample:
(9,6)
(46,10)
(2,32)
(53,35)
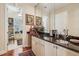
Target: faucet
(65,34)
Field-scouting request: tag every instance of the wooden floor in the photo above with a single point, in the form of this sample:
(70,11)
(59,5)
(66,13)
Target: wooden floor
(26,52)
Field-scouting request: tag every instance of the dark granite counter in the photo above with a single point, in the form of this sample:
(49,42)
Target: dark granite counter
(68,45)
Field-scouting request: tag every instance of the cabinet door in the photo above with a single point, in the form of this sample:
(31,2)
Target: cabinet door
(71,53)
(40,47)
(34,48)
(61,51)
(50,49)
(65,52)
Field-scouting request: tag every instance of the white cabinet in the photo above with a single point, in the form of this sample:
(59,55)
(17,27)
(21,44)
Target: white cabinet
(38,46)
(34,45)
(71,53)
(41,47)
(50,49)
(61,51)
(44,48)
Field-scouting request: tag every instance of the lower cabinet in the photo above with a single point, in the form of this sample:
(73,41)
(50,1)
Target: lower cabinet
(41,49)
(50,49)
(38,46)
(44,48)
(72,53)
(34,43)
(61,51)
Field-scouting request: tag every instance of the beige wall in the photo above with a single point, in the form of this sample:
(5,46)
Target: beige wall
(73,20)
(2,33)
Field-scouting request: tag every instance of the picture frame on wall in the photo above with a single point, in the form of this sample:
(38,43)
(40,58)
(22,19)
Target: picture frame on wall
(29,19)
(38,21)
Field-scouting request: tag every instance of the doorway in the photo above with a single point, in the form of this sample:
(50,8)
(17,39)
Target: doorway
(14,27)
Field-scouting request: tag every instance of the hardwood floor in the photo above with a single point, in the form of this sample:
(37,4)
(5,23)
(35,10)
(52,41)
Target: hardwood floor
(26,52)
(9,53)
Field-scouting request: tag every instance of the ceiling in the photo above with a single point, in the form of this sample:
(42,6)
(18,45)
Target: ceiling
(48,7)
(57,5)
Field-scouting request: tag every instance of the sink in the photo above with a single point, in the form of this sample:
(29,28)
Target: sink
(62,41)
(46,38)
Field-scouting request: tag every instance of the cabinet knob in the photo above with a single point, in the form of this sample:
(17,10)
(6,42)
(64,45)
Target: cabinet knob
(54,46)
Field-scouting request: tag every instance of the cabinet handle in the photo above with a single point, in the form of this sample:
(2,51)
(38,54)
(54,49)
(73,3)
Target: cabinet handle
(54,46)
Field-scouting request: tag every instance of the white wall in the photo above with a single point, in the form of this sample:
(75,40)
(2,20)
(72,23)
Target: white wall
(70,14)
(61,21)
(2,29)
(45,20)
(73,17)
(51,23)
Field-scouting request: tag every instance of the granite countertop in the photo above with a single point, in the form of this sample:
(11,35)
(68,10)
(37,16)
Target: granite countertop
(50,39)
